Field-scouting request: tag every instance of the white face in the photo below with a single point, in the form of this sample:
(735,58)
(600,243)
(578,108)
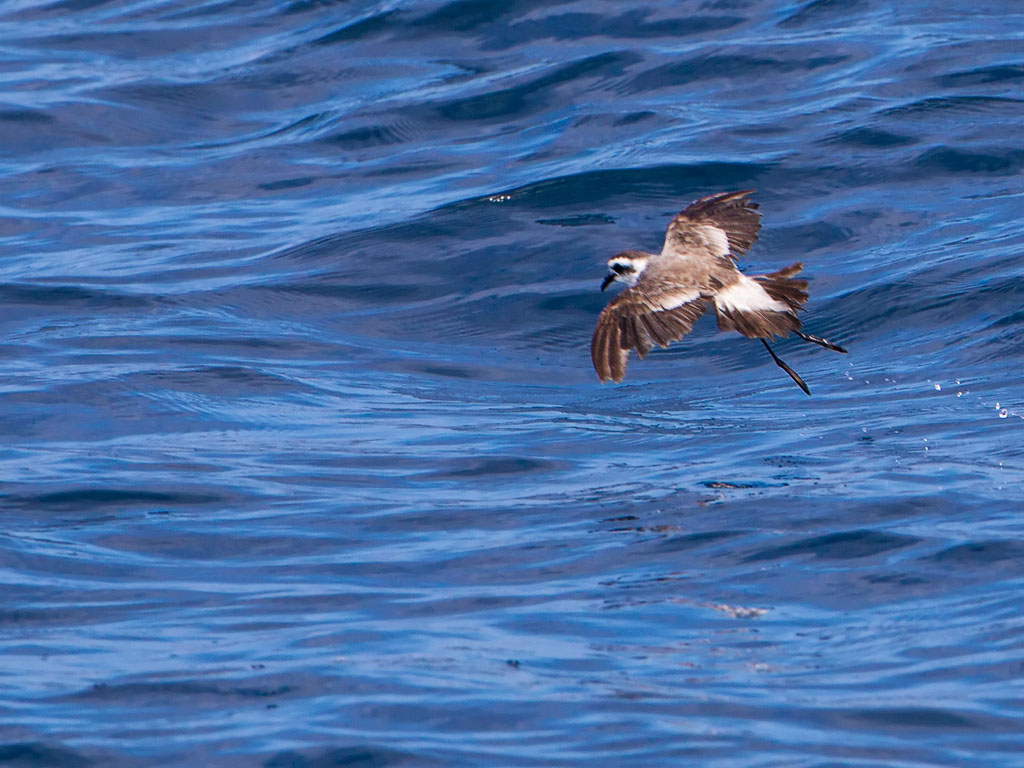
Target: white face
(626,269)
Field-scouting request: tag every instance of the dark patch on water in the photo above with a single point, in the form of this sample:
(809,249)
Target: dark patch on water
(837,546)
(352,757)
(30,754)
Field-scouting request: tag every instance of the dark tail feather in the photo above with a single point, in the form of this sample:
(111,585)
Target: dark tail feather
(782,286)
(820,341)
(792,292)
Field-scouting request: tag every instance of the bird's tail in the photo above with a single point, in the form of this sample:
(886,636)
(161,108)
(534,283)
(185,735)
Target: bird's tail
(751,305)
(792,291)
(782,286)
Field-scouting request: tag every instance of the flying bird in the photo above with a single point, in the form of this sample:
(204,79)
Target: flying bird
(668,291)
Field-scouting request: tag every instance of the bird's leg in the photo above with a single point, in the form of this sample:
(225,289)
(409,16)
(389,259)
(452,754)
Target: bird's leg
(820,341)
(793,374)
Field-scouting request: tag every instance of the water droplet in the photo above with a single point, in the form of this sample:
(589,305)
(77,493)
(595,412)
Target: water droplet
(938,387)
(1003,414)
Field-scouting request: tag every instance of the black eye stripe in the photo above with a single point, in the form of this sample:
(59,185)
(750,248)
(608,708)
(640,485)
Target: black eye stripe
(621,268)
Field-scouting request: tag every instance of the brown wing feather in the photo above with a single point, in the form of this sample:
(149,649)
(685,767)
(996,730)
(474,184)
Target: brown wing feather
(731,212)
(632,322)
(606,349)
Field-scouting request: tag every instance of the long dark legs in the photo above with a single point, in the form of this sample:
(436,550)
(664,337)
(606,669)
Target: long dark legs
(793,374)
(806,337)
(820,341)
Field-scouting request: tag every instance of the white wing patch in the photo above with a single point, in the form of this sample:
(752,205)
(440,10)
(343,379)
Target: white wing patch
(746,295)
(714,239)
(673,300)
(717,240)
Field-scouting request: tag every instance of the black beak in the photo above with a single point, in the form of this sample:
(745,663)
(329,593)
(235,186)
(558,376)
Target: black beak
(608,280)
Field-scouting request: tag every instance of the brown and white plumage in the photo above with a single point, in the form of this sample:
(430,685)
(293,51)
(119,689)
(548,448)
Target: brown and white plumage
(697,266)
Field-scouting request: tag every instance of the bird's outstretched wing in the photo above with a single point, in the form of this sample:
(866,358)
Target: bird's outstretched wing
(726,223)
(639,320)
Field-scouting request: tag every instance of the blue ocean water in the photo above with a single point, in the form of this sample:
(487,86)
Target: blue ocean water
(305,463)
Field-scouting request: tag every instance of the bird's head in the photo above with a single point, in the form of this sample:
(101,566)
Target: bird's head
(625,267)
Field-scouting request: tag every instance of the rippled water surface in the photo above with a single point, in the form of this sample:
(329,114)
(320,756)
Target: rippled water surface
(305,463)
